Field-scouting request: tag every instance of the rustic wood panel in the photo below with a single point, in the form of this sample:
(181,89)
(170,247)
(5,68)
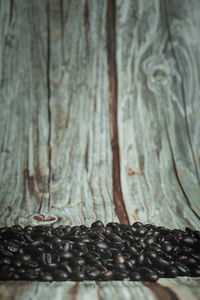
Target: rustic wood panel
(99,110)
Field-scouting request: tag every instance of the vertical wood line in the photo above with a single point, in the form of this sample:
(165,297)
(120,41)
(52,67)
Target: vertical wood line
(49,95)
(120,208)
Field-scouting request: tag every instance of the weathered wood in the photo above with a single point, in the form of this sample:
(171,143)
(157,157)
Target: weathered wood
(99,109)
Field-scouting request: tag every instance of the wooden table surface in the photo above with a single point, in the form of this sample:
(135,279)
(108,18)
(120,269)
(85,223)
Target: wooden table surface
(99,119)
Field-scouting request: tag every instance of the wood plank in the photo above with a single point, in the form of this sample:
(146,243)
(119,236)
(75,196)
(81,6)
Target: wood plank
(159,169)
(24,114)
(81,170)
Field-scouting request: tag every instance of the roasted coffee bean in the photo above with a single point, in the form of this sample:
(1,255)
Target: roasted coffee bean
(60,275)
(78,276)
(5,261)
(46,277)
(137,224)
(66,255)
(119,275)
(77,261)
(97,224)
(161,262)
(93,273)
(31,264)
(116,251)
(140,259)
(188,241)
(183,270)
(101,245)
(66,267)
(12,247)
(195,272)
(171,271)
(107,275)
(135,276)
(119,259)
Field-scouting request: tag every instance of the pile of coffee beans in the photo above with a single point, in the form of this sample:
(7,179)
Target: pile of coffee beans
(112,252)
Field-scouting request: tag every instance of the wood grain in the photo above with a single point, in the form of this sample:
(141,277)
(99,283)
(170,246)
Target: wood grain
(99,119)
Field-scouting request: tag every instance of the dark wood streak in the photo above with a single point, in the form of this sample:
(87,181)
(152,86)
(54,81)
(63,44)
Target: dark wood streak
(74,291)
(161,292)
(11,11)
(86,25)
(120,208)
(49,94)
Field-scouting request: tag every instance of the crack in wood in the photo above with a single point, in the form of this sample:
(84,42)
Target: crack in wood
(120,208)
(11,11)
(161,292)
(49,96)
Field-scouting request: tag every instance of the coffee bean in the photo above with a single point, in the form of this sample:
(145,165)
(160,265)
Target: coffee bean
(161,262)
(97,224)
(171,271)
(79,276)
(101,245)
(66,255)
(137,224)
(107,275)
(119,259)
(195,272)
(116,251)
(60,275)
(93,273)
(77,261)
(183,270)
(188,241)
(120,275)
(46,277)
(135,276)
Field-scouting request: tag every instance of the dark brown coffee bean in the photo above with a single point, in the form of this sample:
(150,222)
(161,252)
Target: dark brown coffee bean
(195,272)
(12,247)
(130,263)
(107,275)
(66,267)
(79,276)
(137,224)
(93,273)
(120,275)
(183,270)
(60,275)
(66,255)
(135,276)
(31,264)
(119,259)
(97,224)
(171,271)
(140,259)
(77,261)
(5,261)
(46,277)
(189,241)
(161,262)
(101,245)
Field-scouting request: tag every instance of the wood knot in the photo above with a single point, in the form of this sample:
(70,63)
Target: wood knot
(42,218)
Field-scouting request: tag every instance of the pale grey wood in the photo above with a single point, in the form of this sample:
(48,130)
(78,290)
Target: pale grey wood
(158,124)
(56,153)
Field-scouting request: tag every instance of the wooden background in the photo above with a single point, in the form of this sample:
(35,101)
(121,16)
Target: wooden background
(99,119)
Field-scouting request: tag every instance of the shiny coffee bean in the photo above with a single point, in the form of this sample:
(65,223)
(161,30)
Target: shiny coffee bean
(60,275)
(107,275)
(135,276)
